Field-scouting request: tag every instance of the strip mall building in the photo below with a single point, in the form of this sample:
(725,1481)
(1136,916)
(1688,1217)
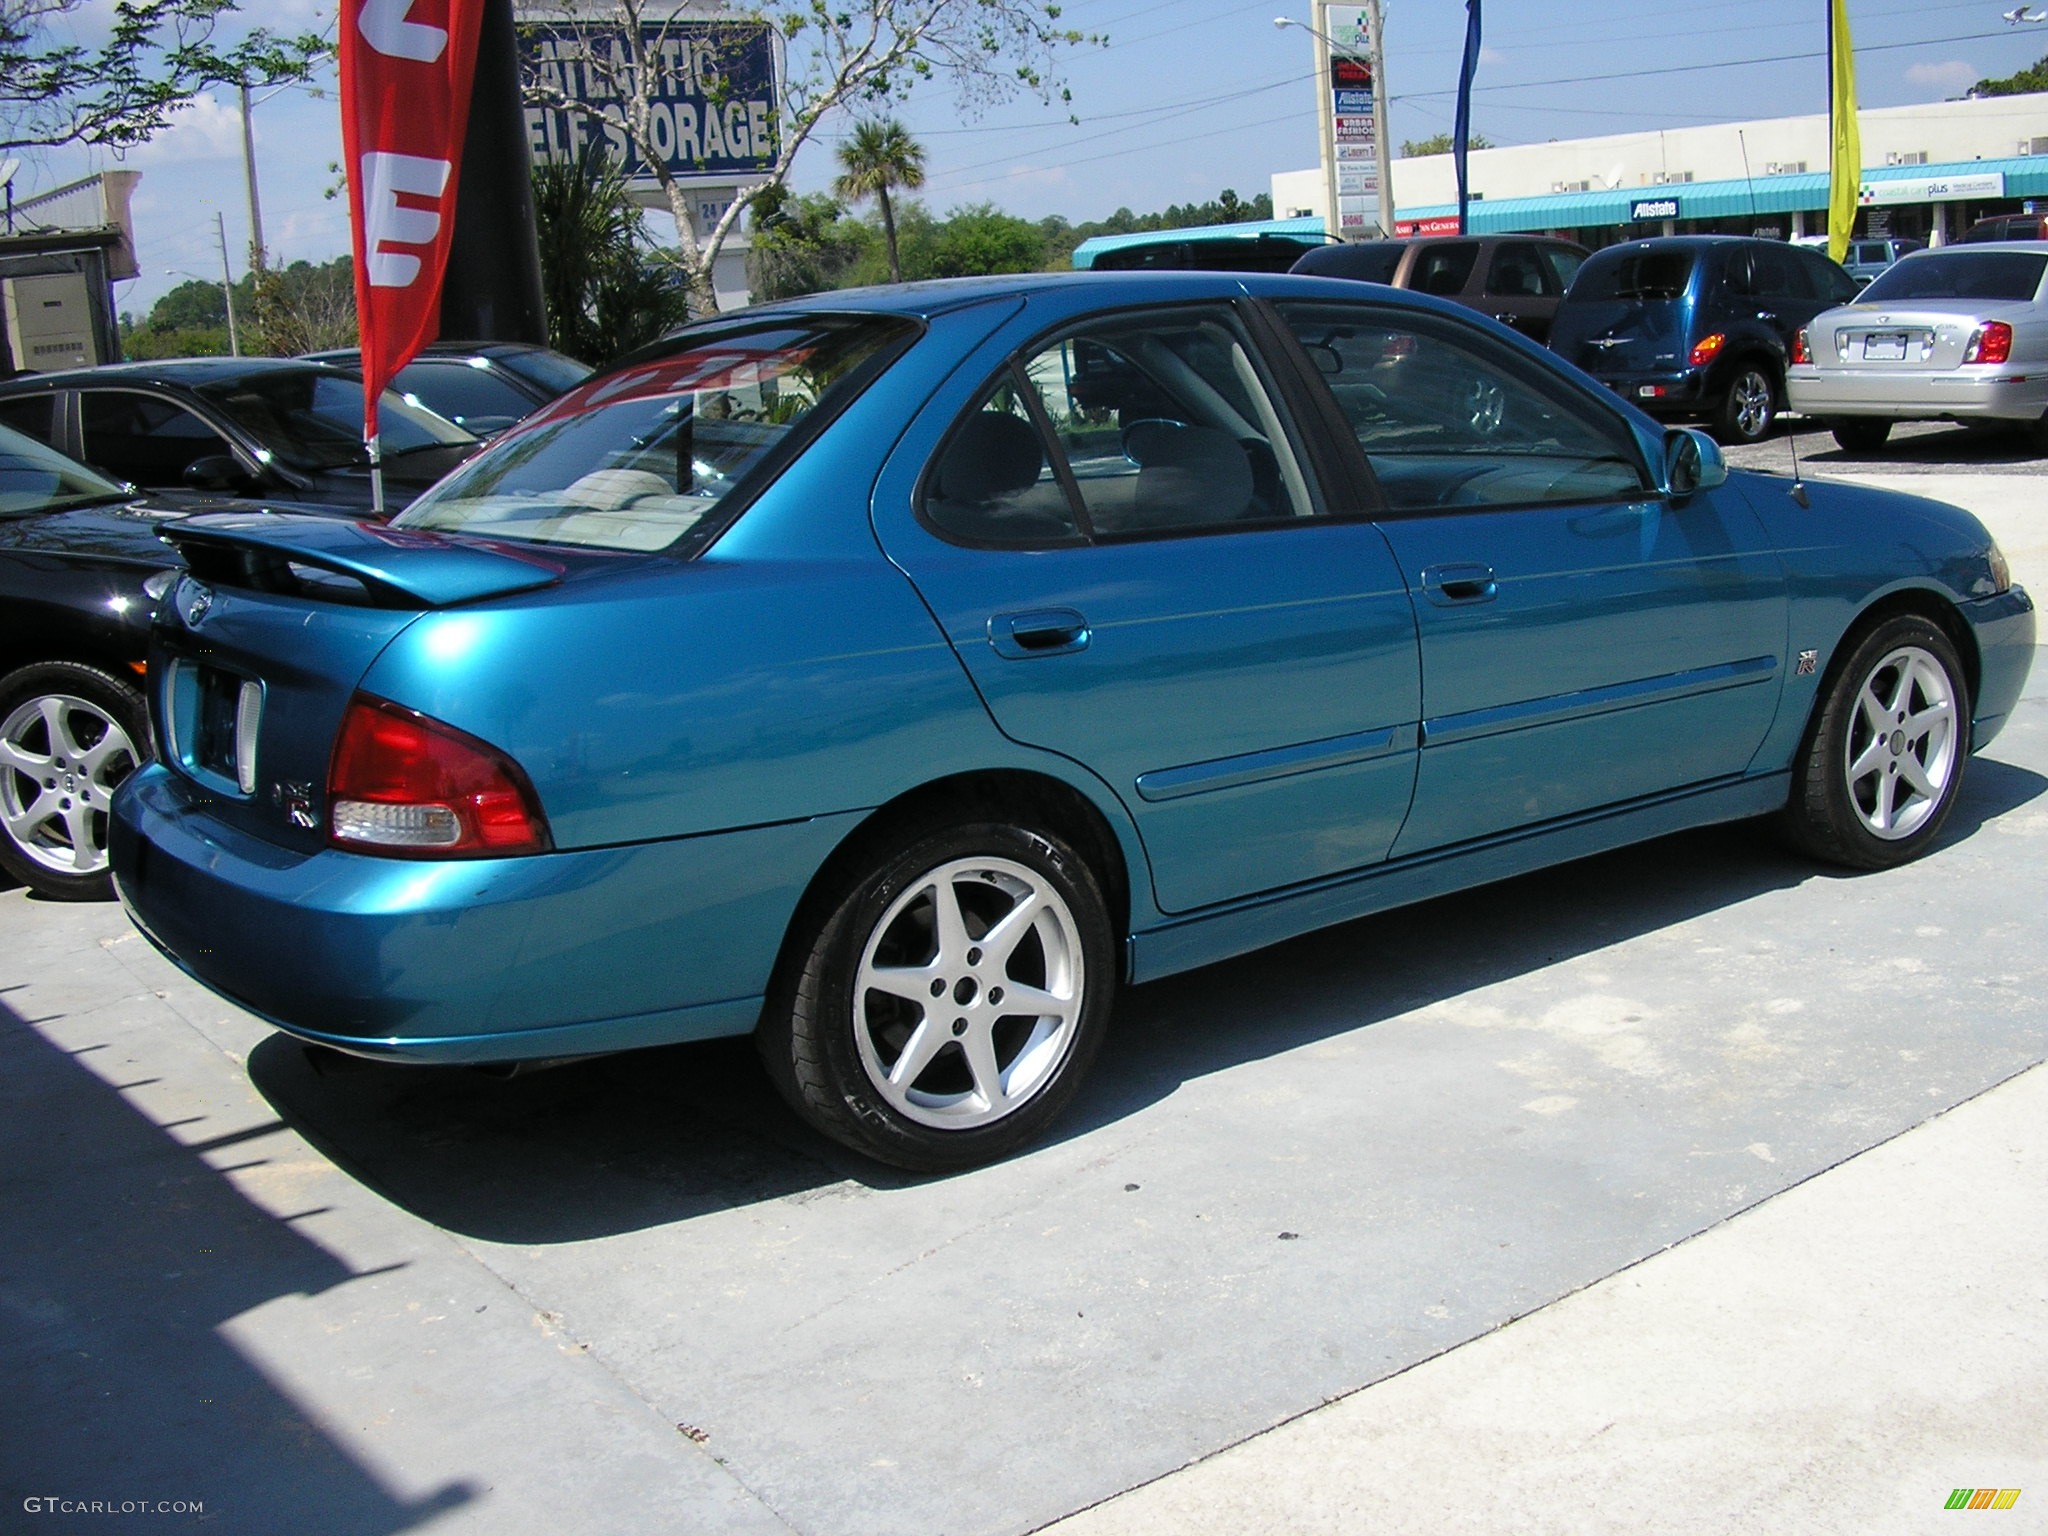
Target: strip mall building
(1929,173)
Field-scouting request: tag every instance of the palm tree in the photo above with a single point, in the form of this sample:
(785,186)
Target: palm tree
(880,155)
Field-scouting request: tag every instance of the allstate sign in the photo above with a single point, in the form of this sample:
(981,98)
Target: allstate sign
(1652,209)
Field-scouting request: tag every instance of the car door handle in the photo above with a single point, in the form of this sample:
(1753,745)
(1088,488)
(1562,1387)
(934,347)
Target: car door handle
(1450,586)
(1040,632)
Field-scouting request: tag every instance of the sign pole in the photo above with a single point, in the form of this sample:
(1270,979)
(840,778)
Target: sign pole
(492,289)
(1381,101)
(373,443)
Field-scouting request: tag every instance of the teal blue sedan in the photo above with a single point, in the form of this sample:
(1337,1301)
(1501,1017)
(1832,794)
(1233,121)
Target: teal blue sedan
(892,675)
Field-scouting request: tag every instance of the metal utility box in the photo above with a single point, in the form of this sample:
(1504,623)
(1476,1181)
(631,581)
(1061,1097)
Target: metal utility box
(50,322)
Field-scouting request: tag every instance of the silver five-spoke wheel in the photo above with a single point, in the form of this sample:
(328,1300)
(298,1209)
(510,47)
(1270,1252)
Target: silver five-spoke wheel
(969,991)
(1901,749)
(946,991)
(65,747)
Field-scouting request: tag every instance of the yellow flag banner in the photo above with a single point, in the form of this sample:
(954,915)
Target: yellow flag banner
(1845,162)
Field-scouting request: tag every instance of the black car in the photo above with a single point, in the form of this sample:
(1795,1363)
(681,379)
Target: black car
(1518,279)
(481,386)
(81,569)
(1697,325)
(273,428)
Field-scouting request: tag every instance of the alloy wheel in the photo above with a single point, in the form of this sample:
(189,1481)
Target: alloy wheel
(61,758)
(1902,738)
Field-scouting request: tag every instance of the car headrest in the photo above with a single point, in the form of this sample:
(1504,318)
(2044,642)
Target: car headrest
(1187,474)
(993,454)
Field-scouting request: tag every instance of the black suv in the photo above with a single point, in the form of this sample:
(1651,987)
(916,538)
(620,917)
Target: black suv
(1697,325)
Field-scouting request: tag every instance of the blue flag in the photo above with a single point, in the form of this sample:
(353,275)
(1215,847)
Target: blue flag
(1461,135)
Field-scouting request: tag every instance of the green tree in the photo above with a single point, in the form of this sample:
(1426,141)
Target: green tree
(604,292)
(2033,78)
(1440,144)
(804,245)
(979,240)
(300,308)
(154,56)
(880,155)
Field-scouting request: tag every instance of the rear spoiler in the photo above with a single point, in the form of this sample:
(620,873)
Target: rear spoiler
(392,567)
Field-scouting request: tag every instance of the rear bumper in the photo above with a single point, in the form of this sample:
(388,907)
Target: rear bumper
(2004,628)
(1683,393)
(558,954)
(1991,393)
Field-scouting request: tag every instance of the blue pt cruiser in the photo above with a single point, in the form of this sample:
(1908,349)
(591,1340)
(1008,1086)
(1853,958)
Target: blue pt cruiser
(891,674)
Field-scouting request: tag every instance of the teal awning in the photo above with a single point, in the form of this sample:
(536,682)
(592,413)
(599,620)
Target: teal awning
(2025,176)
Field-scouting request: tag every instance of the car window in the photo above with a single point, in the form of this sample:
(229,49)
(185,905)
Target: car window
(1992,275)
(1516,272)
(550,370)
(655,456)
(472,397)
(1162,422)
(312,418)
(1364,261)
(1564,264)
(1448,419)
(144,438)
(34,415)
(1778,274)
(1635,274)
(1444,269)
(36,478)
(1829,281)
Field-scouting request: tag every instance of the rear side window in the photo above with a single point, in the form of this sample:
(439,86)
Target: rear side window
(1516,272)
(1635,274)
(34,415)
(144,438)
(1159,423)
(1829,281)
(1444,269)
(1778,273)
(1564,264)
(658,456)
(1369,261)
(1989,275)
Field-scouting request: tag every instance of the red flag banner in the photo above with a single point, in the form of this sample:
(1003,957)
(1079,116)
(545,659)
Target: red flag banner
(406,70)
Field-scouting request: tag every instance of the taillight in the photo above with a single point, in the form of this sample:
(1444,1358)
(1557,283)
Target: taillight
(1708,349)
(1800,351)
(404,784)
(1991,342)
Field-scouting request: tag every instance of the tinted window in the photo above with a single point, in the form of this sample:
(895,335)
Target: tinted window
(1162,421)
(35,415)
(1829,281)
(1990,275)
(641,459)
(475,399)
(1368,261)
(1517,272)
(35,478)
(144,438)
(1778,273)
(1563,262)
(1448,420)
(550,370)
(312,418)
(1444,269)
(1635,274)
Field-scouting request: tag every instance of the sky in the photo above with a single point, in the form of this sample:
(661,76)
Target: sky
(1188,97)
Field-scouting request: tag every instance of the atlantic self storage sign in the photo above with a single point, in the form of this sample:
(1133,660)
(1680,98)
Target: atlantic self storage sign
(712,106)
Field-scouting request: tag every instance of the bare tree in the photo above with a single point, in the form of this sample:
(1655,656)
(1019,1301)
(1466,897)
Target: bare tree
(838,55)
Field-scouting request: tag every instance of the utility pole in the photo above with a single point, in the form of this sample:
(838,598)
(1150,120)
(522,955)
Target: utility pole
(227,283)
(256,253)
(1344,95)
(1381,101)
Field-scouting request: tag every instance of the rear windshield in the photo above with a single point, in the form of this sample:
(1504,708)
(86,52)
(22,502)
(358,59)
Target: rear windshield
(1990,275)
(1634,275)
(643,458)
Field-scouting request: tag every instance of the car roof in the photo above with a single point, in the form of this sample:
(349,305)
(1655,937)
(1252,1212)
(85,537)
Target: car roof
(2019,247)
(175,370)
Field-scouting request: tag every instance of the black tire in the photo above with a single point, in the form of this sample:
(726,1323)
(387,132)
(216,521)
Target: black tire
(1748,409)
(1861,434)
(830,1041)
(54,793)
(1836,813)
(2036,434)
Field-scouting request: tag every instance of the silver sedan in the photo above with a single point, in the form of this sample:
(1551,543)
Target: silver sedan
(1956,334)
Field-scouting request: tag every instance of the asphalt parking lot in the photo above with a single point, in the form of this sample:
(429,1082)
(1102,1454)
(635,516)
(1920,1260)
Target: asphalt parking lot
(636,1294)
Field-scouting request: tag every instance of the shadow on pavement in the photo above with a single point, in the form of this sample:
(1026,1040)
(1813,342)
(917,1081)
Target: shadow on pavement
(624,1143)
(121,1255)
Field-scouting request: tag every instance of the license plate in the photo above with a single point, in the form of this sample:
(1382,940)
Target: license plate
(1884,349)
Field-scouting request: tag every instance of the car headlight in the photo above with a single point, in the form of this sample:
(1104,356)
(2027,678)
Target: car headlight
(2001,573)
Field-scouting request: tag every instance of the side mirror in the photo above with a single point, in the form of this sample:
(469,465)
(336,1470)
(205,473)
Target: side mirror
(1692,462)
(218,472)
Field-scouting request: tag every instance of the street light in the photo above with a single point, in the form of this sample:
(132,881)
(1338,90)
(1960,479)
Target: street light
(1374,59)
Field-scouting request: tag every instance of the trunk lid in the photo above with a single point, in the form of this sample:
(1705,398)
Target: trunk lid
(1917,335)
(259,647)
